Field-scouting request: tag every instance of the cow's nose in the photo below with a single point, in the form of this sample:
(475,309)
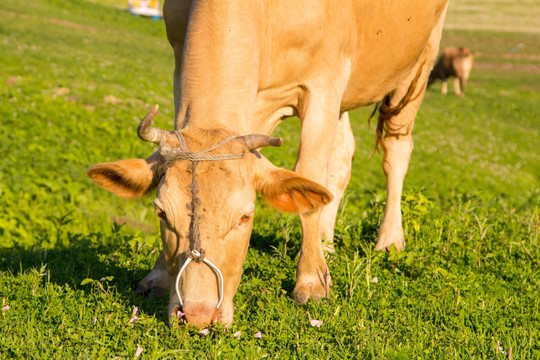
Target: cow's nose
(200,314)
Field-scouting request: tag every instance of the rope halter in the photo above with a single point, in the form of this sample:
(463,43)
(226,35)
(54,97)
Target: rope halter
(196,252)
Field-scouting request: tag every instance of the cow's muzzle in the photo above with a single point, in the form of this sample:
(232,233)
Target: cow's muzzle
(195,255)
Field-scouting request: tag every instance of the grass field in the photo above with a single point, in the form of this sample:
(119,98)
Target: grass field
(75,78)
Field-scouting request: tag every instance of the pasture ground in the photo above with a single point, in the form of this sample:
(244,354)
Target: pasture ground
(75,78)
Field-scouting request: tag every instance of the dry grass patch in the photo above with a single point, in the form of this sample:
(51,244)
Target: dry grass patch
(494,15)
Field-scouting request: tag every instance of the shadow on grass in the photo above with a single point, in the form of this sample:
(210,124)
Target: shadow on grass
(119,254)
(84,257)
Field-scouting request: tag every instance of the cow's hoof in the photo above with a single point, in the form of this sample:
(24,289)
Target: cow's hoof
(303,292)
(387,239)
(387,245)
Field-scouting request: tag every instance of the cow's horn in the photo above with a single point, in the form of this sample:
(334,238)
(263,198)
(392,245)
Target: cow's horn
(255,141)
(148,133)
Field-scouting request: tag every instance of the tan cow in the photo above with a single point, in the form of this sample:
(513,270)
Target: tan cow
(453,62)
(241,68)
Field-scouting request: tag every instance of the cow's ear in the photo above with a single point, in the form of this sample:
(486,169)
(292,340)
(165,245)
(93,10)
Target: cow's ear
(127,178)
(287,191)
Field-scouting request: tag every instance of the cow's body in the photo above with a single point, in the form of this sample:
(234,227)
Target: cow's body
(242,67)
(453,62)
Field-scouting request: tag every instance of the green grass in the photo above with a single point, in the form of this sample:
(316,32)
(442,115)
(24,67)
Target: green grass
(468,280)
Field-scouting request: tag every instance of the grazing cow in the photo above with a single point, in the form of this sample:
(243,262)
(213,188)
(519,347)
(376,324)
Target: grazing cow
(241,68)
(453,62)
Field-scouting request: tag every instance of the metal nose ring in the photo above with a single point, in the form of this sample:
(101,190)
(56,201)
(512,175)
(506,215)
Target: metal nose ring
(197,254)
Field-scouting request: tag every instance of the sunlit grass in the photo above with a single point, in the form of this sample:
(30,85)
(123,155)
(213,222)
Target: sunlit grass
(76,77)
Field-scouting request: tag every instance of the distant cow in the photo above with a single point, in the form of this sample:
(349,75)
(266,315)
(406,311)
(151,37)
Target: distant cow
(242,67)
(453,62)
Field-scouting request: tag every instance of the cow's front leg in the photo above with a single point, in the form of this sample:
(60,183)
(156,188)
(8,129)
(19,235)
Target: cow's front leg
(157,282)
(337,177)
(319,116)
(176,16)
(444,87)
(457,86)
(312,274)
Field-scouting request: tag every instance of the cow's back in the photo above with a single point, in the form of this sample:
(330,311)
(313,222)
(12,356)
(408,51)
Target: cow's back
(384,40)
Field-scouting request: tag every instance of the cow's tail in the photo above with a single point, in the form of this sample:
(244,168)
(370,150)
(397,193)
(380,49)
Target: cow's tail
(387,112)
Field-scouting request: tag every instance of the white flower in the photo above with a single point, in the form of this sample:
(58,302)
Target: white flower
(139,351)
(237,334)
(313,322)
(499,348)
(133,319)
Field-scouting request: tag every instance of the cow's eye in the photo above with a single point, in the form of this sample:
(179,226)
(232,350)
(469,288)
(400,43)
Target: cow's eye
(161,214)
(244,219)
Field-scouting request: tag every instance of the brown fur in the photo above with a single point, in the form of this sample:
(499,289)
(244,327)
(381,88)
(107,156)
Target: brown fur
(453,62)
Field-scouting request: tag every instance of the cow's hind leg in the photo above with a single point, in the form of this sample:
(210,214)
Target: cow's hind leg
(394,134)
(337,177)
(176,14)
(396,120)
(157,282)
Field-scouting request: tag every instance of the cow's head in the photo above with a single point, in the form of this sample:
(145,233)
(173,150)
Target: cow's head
(211,211)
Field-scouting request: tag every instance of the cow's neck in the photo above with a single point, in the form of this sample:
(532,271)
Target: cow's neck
(220,65)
